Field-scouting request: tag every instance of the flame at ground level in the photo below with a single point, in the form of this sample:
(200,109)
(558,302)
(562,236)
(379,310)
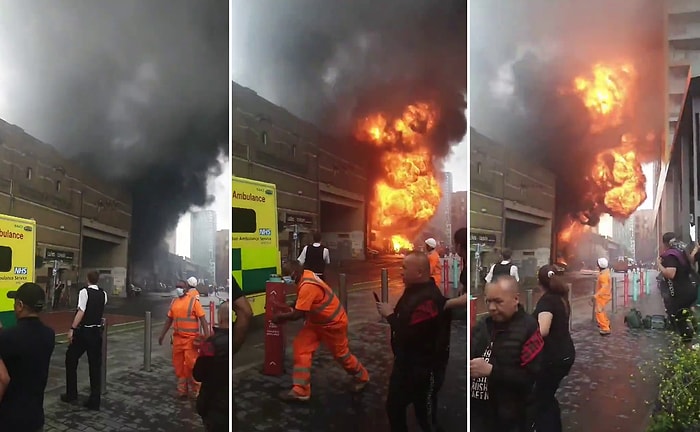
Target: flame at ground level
(400,242)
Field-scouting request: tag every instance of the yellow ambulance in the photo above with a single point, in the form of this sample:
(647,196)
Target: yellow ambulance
(254,238)
(17,260)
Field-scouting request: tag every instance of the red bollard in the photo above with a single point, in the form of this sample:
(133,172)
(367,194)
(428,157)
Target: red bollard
(275,293)
(445,278)
(472,312)
(212,315)
(626,289)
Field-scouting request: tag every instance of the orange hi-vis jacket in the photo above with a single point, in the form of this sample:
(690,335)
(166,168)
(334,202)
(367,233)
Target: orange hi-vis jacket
(317,299)
(185,312)
(603,291)
(435,269)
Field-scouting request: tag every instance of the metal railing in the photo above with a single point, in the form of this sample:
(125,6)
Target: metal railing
(103,372)
(147,341)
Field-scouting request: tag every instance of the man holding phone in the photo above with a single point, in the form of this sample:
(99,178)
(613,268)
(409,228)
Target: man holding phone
(420,337)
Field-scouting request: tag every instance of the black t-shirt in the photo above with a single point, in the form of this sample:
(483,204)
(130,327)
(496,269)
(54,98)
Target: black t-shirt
(684,292)
(558,344)
(26,351)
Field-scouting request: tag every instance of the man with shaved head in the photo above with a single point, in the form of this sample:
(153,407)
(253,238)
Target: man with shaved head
(505,360)
(420,337)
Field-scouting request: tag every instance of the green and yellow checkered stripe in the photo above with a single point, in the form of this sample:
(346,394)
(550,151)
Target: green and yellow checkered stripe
(252,268)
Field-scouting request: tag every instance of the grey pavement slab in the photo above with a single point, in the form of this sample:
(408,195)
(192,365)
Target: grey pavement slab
(332,407)
(136,400)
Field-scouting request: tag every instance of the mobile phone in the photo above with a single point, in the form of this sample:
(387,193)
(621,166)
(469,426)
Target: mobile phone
(376,297)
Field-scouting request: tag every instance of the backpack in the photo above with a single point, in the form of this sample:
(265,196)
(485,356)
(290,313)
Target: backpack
(655,322)
(634,319)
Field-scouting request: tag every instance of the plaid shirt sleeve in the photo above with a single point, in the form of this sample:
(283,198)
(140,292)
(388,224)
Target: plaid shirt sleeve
(531,348)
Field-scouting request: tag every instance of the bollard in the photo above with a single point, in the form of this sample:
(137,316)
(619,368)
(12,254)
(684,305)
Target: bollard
(212,315)
(614,295)
(147,339)
(343,292)
(385,285)
(528,301)
(647,282)
(103,381)
(625,290)
(635,292)
(571,315)
(446,277)
(472,311)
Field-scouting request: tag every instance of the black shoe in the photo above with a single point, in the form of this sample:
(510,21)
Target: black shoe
(91,406)
(68,399)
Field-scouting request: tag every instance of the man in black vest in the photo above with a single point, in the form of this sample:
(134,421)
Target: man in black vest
(504,268)
(420,338)
(314,257)
(85,335)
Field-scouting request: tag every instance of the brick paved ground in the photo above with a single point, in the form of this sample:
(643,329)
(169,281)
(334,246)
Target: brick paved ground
(135,400)
(332,408)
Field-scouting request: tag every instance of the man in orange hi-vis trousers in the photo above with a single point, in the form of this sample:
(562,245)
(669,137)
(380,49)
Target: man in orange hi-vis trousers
(603,296)
(185,315)
(434,258)
(326,322)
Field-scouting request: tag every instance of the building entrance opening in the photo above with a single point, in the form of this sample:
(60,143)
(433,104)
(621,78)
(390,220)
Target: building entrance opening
(342,230)
(530,242)
(106,253)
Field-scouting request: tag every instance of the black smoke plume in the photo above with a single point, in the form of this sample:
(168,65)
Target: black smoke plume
(136,91)
(524,53)
(331,62)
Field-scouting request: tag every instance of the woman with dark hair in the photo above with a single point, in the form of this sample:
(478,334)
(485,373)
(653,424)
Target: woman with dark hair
(552,312)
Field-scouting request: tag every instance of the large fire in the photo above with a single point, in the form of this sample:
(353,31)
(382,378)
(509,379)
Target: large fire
(615,183)
(407,194)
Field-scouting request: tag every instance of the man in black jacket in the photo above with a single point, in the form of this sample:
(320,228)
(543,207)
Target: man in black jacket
(420,342)
(505,360)
(211,369)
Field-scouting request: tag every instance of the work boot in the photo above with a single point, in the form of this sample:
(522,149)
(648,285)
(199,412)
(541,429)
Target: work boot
(356,386)
(605,332)
(68,399)
(292,396)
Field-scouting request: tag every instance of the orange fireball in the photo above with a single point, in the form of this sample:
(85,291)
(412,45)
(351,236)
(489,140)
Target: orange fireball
(407,193)
(606,93)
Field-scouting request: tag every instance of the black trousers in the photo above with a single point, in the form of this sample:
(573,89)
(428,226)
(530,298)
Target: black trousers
(548,413)
(85,340)
(411,385)
(439,380)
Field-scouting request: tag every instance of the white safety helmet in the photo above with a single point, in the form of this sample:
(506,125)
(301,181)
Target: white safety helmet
(603,263)
(192,282)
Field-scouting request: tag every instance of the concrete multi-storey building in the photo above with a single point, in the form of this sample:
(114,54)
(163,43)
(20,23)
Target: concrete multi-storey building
(82,223)
(223,249)
(171,241)
(321,182)
(512,205)
(203,242)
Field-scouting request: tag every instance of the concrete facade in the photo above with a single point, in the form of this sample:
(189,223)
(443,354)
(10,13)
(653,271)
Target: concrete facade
(459,210)
(203,242)
(511,205)
(223,249)
(82,223)
(321,183)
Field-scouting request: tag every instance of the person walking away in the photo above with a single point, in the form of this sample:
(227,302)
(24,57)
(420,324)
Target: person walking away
(504,268)
(315,257)
(420,330)
(603,296)
(505,353)
(552,312)
(675,267)
(325,322)
(186,316)
(211,369)
(244,314)
(25,352)
(85,335)
(434,257)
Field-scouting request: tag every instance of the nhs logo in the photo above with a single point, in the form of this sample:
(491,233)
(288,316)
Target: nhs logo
(21,271)
(265,232)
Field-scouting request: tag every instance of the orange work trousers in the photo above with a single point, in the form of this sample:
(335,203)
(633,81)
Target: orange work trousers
(335,338)
(600,315)
(184,357)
